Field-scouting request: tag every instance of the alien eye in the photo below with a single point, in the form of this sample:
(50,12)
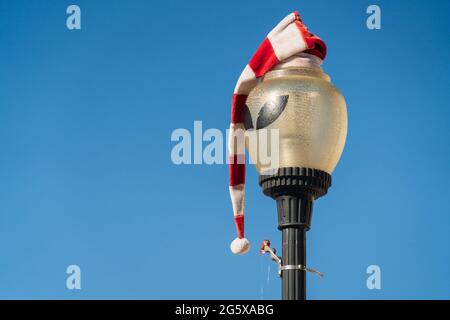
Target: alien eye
(248,121)
(271,110)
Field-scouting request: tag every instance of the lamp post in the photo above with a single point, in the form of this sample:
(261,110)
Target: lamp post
(311,117)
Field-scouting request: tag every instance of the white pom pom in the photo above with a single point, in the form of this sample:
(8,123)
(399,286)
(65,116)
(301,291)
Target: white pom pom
(240,246)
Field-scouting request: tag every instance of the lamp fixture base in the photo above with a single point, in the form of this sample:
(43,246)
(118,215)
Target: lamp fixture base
(295,190)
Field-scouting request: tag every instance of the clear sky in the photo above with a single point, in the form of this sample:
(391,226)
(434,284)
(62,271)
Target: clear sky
(86,176)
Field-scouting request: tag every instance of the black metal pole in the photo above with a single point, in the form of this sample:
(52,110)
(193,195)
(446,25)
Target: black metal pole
(294,253)
(294,190)
(294,219)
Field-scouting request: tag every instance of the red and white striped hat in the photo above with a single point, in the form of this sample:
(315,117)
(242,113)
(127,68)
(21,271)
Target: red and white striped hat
(289,38)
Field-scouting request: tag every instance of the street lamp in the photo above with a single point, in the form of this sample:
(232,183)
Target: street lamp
(310,114)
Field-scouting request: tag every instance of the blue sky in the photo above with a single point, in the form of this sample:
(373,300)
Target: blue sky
(86,175)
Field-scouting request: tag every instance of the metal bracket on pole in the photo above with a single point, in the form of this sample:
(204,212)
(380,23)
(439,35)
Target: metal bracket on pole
(265,248)
(301,267)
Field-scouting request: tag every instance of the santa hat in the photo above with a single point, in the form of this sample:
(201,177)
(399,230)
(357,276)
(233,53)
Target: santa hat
(289,38)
